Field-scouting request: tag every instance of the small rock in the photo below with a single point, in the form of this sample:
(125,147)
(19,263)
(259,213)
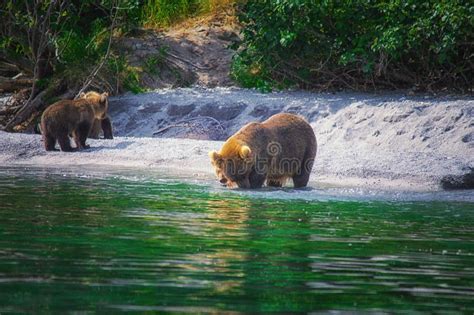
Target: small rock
(294,109)
(396,118)
(465,181)
(468,138)
(263,111)
(456,118)
(197,150)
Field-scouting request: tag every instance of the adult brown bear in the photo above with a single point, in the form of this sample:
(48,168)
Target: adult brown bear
(282,147)
(72,117)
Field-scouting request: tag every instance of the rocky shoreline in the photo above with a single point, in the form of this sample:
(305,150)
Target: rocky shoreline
(388,141)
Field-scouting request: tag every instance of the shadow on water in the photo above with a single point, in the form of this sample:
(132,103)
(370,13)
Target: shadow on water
(81,242)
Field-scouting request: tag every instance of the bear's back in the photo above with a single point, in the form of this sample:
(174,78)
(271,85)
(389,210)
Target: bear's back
(287,121)
(66,114)
(290,130)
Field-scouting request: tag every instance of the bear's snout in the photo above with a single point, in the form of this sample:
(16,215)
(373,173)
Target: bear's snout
(223,180)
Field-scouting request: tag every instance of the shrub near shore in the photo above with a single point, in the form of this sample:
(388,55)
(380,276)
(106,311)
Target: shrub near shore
(358,44)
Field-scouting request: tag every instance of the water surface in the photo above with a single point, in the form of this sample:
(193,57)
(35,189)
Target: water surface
(112,243)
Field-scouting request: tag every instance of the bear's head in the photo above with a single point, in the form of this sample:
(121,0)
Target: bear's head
(233,164)
(100,103)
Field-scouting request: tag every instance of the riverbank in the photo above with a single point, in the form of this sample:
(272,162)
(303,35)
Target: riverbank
(189,157)
(389,142)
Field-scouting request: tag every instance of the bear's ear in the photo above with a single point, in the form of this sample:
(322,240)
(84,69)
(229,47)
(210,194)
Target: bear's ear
(214,155)
(82,95)
(103,97)
(244,152)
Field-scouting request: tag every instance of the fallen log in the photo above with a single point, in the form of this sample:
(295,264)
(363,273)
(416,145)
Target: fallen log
(14,84)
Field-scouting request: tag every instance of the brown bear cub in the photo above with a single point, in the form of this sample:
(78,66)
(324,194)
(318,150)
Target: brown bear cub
(72,117)
(282,147)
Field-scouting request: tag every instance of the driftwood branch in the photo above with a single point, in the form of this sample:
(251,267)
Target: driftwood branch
(37,104)
(188,123)
(14,84)
(27,111)
(186,61)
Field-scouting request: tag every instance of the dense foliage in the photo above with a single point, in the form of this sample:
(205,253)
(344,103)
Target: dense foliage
(361,44)
(61,38)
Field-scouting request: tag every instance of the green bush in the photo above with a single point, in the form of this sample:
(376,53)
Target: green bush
(357,44)
(250,75)
(77,34)
(165,12)
(162,13)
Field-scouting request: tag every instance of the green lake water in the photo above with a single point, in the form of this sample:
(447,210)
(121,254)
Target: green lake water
(73,242)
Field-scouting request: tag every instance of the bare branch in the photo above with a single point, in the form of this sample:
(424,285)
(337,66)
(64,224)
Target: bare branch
(187,123)
(94,73)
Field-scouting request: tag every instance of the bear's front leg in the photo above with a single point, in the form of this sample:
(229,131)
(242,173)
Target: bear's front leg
(256,180)
(244,183)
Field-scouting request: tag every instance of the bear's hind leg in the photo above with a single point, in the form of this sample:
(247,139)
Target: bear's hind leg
(106,125)
(77,141)
(82,132)
(49,142)
(65,143)
(301,179)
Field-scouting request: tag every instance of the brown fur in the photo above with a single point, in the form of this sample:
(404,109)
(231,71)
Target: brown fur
(282,147)
(72,117)
(101,125)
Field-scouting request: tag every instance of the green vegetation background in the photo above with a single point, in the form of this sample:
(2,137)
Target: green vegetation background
(79,31)
(349,44)
(357,44)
